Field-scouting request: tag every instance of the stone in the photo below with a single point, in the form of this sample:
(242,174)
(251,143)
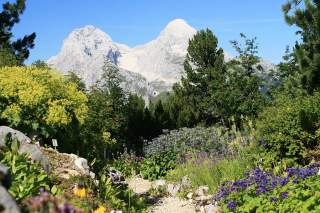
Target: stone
(211,209)
(15,134)
(81,164)
(173,189)
(25,146)
(35,154)
(92,175)
(5,177)
(204,198)
(190,195)
(202,191)
(7,203)
(185,182)
(66,173)
(159,183)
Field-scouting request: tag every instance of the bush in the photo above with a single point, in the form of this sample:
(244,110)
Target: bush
(211,172)
(158,165)
(119,196)
(291,127)
(212,140)
(39,100)
(28,178)
(260,191)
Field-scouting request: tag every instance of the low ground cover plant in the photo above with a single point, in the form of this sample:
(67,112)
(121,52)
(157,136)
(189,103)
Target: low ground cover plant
(297,190)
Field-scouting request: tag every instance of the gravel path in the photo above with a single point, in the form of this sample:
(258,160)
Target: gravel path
(173,205)
(164,205)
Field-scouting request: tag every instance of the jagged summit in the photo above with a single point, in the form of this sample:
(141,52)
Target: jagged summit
(147,69)
(178,28)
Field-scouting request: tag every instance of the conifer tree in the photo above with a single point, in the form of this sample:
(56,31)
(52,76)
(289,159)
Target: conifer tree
(306,16)
(204,80)
(8,18)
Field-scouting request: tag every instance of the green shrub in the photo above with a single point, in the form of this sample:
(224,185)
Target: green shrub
(295,191)
(28,178)
(127,164)
(119,196)
(211,172)
(291,127)
(157,166)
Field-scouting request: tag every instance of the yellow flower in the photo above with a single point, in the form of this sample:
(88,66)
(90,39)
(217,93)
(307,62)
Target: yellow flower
(80,192)
(101,209)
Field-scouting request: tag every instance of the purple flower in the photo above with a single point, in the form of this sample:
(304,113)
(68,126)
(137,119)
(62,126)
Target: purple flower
(231,204)
(284,195)
(273,199)
(260,190)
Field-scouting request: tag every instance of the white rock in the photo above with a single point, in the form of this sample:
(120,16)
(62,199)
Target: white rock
(190,195)
(202,190)
(159,183)
(173,189)
(211,209)
(82,165)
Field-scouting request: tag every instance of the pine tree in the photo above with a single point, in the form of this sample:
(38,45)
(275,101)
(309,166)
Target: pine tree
(8,18)
(204,80)
(306,16)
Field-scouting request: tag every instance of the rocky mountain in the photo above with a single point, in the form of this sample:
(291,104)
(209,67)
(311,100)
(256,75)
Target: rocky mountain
(146,69)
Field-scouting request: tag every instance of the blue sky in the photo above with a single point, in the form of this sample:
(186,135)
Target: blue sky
(134,22)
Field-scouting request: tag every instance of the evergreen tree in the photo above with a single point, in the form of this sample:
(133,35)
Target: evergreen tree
(306,16)
(244,97)
(135,122)
(8,18)
(204,80)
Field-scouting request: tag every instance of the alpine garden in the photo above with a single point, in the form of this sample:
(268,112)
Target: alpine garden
(247,141)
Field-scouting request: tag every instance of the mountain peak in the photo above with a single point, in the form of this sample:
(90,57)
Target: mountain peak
(179,28)
(89,31)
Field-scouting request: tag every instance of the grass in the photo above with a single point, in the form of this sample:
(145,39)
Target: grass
(211,173)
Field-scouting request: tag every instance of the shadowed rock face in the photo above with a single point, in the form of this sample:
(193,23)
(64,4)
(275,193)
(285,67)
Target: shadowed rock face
(25,146)
(7,203)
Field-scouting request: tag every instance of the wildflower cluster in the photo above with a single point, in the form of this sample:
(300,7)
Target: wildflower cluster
(46,202)
(259,182)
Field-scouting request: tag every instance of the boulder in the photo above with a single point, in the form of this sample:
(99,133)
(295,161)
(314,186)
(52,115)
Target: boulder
(7,203)
(173,189)
(25,146)
(15,134)
(211,209)
(190,195)
(5,177)
(202,191)
(81,164)
(160,183)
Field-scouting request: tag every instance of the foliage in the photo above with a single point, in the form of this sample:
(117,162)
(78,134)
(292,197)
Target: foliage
(212,140)
(306,16)
(202,86)
(7,58)
(157,165)
(211,172)
(119,197)
(290,127)
(106,121)
(28,178)
(261,191)
(39,100)
(127,164)
(46,202)
(19,48)
(244,96)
